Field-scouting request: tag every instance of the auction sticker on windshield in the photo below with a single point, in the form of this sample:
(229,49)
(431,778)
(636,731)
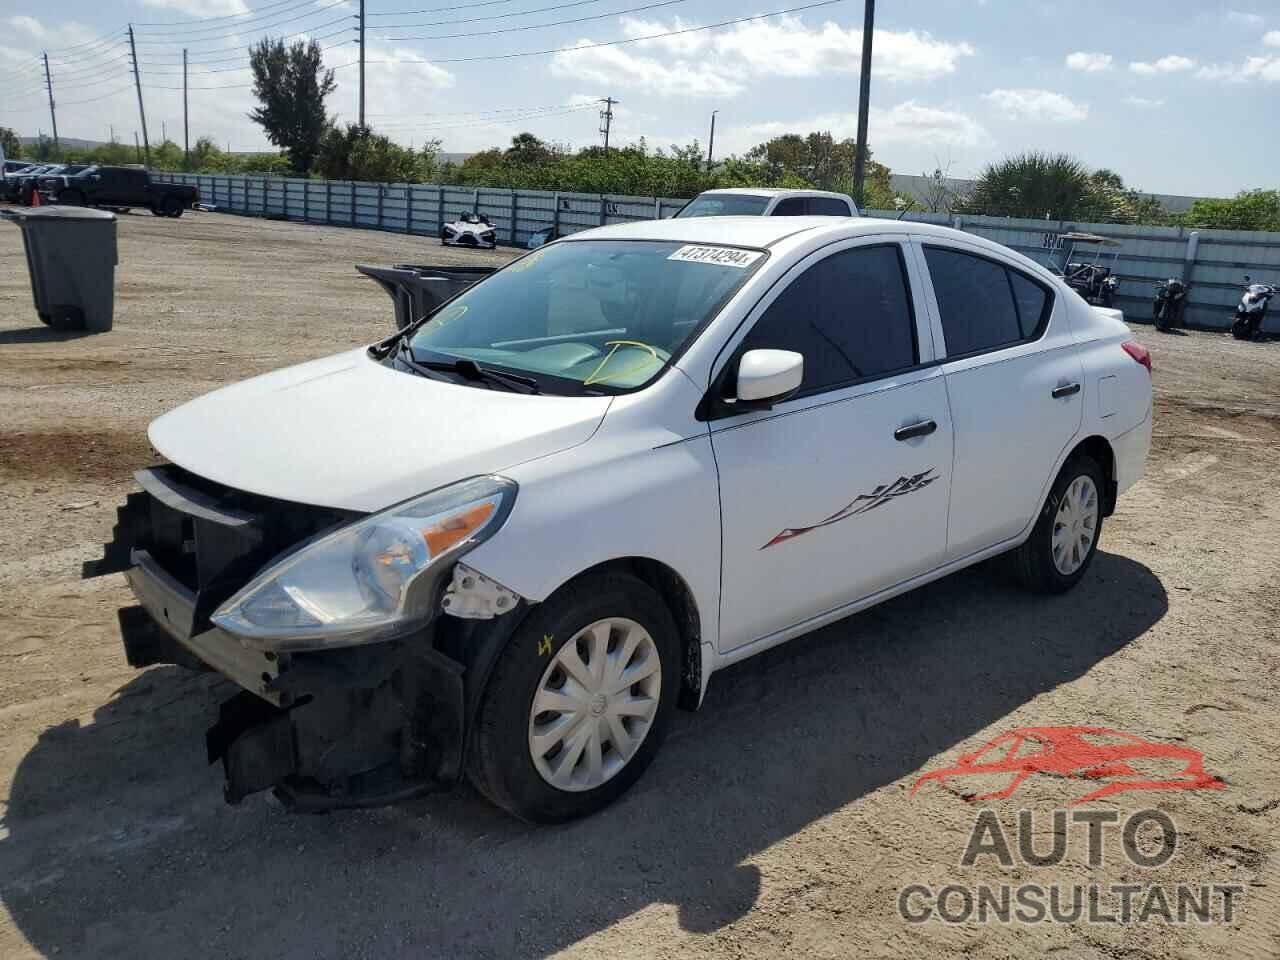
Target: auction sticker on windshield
(718,256)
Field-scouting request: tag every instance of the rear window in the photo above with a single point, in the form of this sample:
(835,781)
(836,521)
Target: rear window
(984,305)
(724,205)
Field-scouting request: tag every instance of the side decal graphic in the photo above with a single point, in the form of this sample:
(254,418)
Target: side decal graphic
(862,503)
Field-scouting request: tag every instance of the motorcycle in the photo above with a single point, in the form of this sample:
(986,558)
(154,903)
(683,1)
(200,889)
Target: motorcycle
(1171,300)
(1252,310)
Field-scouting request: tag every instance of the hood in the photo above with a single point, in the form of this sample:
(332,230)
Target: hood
(349,433)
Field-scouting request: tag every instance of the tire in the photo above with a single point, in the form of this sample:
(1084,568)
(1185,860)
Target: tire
(501,761)
(1240,329)
(71,198)
(156,211)
(171,207)
(1033,563)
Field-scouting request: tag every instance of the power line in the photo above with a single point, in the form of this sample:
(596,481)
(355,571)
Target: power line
(262,25)
(492,16)
(225,16)
(610,43)
(542,26)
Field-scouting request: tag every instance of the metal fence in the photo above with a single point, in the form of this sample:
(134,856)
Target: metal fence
(1213,262)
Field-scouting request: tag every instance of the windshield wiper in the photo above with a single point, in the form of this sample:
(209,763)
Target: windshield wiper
(472,371)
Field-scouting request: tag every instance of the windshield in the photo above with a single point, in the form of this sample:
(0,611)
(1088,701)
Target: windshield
(606,315)
(724,205)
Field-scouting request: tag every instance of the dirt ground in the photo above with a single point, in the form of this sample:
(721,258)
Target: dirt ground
(778,821)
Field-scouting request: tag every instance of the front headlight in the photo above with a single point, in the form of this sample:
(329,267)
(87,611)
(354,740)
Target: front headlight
(372,580)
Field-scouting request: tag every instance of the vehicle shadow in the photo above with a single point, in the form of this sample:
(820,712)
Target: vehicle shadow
(40,335)
(118,841)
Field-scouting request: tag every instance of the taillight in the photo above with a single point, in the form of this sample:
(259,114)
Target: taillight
(1139,353)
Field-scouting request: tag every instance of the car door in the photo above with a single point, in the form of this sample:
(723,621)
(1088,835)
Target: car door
(841,491)
(1014,381)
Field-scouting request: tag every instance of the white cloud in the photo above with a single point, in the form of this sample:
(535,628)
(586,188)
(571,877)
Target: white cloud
(723,64)
(684,45)
(907,123)
(617,68)
(200,8)
(1089,62)
(1173,63)
(1144,103)
(786,47)
(1245,19)
(28,25)
(1252,68)
(1272,38)
(1044,105)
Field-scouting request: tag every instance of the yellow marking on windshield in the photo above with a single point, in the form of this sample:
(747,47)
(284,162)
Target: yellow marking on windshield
(592,378)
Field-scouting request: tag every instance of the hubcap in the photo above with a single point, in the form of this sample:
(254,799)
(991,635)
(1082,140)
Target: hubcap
(1075,525)
(595,704)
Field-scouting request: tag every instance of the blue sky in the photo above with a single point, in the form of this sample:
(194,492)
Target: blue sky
(1177,96)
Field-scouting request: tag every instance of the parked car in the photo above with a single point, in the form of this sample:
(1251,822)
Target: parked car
(11,168)
(769,202)
(512,538)
(15,181)
(469,230)
(126,187)
(50,183)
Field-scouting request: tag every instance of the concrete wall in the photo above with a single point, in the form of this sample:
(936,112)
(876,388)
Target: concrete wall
(1148,254)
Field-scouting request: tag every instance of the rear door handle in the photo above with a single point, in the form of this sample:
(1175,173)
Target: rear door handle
(921,429)
(1066,390)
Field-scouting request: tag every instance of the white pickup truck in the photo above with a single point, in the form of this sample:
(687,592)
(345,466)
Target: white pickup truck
(511,539)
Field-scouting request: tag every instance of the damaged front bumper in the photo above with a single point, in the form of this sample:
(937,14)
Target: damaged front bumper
(351,726)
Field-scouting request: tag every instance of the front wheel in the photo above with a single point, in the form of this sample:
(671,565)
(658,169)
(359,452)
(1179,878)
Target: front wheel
(172,207)
(1062,545)
(71,198)
(1240,329)
(579,701)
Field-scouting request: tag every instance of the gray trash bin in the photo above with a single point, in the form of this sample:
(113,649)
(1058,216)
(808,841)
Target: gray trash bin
(71,255)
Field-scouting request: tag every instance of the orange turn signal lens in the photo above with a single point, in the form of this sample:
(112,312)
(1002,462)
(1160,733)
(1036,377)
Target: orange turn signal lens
(453,530)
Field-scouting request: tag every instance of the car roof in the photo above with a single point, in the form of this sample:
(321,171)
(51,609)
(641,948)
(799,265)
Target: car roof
(767,231)
(772,192)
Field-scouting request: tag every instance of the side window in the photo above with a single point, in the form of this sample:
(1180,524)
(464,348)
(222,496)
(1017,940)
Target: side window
(850,315)
(1031,300)
(828,207)
(975,299)
(790,207)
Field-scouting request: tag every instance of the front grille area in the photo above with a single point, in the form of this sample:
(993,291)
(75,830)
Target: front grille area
(209,537)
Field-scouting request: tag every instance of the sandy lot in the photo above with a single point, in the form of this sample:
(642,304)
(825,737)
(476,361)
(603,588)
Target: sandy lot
(778,821)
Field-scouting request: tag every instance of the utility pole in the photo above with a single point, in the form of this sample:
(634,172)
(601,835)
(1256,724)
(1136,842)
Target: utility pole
(137,82)
(186,130)
(606,120)
(361,41)
(53,114)
(164,132)
(864,99)
(137,146)
(711,143)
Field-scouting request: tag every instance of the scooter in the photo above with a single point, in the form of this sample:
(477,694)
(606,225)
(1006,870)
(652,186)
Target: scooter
(1252,310)
(1171,299)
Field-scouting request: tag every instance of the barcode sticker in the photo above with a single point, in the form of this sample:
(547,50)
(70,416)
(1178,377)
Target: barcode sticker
(717,256)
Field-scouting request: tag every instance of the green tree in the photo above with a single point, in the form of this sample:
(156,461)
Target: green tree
(527,149)
(1247,210)
(1032,185)
(10,143)
(291,85)
(357,153)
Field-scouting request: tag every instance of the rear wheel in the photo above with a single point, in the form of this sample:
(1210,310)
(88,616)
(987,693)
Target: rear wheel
(172,207)
(579,701)
(1058,553)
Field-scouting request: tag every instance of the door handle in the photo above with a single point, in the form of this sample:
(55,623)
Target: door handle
(921,429)
(1066,390)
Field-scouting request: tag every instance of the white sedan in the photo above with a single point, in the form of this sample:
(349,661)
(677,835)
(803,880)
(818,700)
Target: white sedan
(512,539)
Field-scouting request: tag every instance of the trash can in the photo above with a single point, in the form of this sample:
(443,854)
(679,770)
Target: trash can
(71,256)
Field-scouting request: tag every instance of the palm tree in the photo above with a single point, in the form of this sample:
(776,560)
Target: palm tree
(1033,185)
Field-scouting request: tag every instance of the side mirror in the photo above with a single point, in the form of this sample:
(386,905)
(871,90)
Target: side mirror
(769,376)
(96,176)
(1247,279)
